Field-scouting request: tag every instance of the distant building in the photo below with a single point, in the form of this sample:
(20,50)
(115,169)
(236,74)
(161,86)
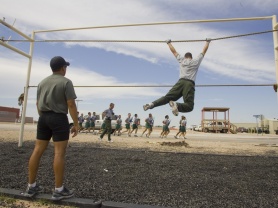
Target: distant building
(9,114)
(270,124)
(12,115)
(264,125)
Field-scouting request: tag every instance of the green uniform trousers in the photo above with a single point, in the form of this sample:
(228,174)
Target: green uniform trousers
(108,129)
(183,88)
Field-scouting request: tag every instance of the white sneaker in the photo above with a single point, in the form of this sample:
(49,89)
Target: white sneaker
(100,139)
(148,106)
(174,107)
(110,141)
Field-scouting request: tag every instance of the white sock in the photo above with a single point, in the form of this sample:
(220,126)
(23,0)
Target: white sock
(59,189)
(151,105)
(32,185)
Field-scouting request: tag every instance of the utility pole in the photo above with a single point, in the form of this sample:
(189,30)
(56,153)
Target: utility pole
(257,116)
(77,101)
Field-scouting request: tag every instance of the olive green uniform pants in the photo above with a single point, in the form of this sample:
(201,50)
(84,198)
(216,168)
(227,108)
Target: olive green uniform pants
(183,88)
(108,129)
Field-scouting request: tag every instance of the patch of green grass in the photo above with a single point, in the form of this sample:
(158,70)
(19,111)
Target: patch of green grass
(45,202)
(6,201)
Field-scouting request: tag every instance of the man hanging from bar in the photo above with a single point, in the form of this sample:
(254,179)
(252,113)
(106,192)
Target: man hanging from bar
(185,87)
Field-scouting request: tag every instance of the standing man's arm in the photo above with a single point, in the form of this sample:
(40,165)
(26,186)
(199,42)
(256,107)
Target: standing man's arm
(73,114)
(172,49)
(206,46)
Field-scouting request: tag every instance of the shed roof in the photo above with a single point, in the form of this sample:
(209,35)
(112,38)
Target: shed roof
(219,109)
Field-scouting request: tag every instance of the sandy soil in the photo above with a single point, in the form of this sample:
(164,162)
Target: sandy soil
(196,142)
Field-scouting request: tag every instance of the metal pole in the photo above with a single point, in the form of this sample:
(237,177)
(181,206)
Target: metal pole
(14,49)
(257,125)
(26,89)
(200,85)
(275,41)
(262,125)
(77,103)
(158,23)
(16,30)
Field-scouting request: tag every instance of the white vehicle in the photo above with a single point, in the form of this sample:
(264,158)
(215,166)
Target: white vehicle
(192,127)
(216,127)
(198,128)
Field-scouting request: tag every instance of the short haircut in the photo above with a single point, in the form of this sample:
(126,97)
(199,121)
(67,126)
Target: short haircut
(188,55)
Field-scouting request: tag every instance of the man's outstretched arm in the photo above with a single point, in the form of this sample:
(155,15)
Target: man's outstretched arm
(172,49)
(206,46)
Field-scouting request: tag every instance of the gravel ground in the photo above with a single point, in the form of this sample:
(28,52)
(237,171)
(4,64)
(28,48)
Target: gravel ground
(151,173)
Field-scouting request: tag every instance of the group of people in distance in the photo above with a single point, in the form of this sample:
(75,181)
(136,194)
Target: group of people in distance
(132,124)
(56,98)
(89,122)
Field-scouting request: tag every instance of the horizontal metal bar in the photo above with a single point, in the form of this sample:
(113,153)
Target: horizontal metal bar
(15,30)
(201,85)
(146,41)
(14,49)
(157,23)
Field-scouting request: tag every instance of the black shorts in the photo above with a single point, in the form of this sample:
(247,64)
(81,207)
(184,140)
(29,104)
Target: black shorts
(55,125)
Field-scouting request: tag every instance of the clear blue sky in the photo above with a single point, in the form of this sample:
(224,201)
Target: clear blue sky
(245,60)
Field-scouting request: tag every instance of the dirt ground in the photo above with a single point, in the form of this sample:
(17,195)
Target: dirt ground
(205,170)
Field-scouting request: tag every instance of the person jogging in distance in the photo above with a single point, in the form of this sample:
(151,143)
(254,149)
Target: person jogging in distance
(108,114)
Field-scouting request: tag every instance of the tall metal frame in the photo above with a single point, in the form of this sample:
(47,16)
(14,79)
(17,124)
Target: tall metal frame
(32,39)
(275,42)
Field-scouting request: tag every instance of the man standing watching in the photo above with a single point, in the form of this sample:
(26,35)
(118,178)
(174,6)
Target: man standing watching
(185,87)
(107,115)
(55,97)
